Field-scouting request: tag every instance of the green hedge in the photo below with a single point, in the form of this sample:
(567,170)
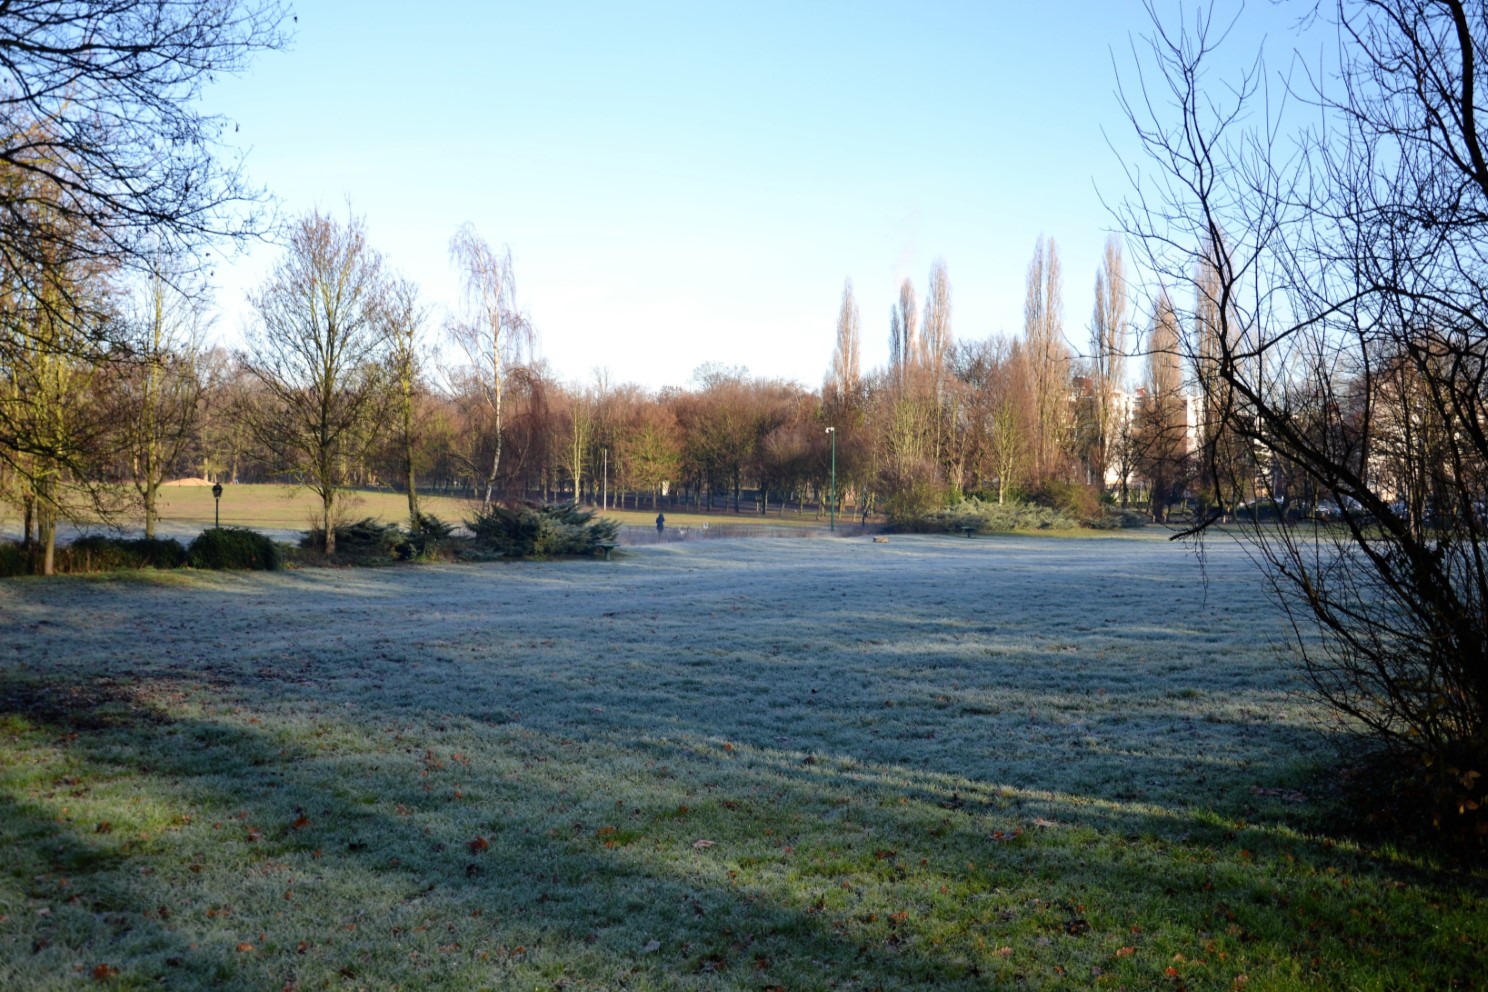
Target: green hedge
(110,554)
(98,554)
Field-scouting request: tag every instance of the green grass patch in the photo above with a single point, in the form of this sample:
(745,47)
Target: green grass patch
(715,765)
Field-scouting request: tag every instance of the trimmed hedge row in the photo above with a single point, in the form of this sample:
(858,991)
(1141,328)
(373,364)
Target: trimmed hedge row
(228,548)
(513,531)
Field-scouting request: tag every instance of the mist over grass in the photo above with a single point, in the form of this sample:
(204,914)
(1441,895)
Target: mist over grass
(705,765)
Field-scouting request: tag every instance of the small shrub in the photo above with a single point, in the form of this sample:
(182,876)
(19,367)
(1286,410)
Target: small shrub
(232,548)
(528,531)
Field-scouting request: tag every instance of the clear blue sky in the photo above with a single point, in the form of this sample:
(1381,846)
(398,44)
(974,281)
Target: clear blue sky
(692,182)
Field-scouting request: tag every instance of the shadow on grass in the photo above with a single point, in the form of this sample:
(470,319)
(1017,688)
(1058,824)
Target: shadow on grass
(382,857)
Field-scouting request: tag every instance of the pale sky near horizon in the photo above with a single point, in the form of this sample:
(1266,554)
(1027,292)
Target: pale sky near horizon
(685,183)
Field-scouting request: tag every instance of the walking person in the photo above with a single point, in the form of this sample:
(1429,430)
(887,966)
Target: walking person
(660,522)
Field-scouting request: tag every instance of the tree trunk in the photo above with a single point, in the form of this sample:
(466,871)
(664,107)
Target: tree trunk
(46,532)
(413,510)
(327,498)
(152,497)
(412,482)
(28,524)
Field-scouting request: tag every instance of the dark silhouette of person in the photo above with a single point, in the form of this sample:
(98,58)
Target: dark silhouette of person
(660,522)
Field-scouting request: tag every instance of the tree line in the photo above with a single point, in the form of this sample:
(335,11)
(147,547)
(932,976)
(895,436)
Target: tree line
(348,378)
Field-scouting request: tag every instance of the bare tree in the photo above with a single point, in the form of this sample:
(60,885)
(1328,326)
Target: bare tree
(494,334)
(1010,414)
(403,317)
(1349,290)
(578,435)
(162,389)
(318,349)
(1162,426)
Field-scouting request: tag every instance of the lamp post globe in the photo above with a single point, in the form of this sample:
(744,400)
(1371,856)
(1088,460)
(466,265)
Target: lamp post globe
(217,505)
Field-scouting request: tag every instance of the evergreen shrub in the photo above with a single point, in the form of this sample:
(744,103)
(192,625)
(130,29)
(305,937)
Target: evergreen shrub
(428,540)
(364,538)
(528,531)
(987,518)
(232,548)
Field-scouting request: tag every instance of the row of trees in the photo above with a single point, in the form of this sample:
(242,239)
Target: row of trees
(341,383)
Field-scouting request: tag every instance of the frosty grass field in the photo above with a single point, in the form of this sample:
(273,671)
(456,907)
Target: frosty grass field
(768,764)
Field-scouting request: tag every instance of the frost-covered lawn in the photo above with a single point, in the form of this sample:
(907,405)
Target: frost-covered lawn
(797,764)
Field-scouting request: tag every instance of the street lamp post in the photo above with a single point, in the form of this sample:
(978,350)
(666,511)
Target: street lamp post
(217,510)
(832,431)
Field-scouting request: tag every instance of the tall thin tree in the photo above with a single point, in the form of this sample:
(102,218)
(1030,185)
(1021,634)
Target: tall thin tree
(936,329)
(1047,354)
(846,376)
(904,334)
(1108,346)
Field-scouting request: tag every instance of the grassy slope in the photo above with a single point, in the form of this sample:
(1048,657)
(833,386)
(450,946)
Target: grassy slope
(968,764)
